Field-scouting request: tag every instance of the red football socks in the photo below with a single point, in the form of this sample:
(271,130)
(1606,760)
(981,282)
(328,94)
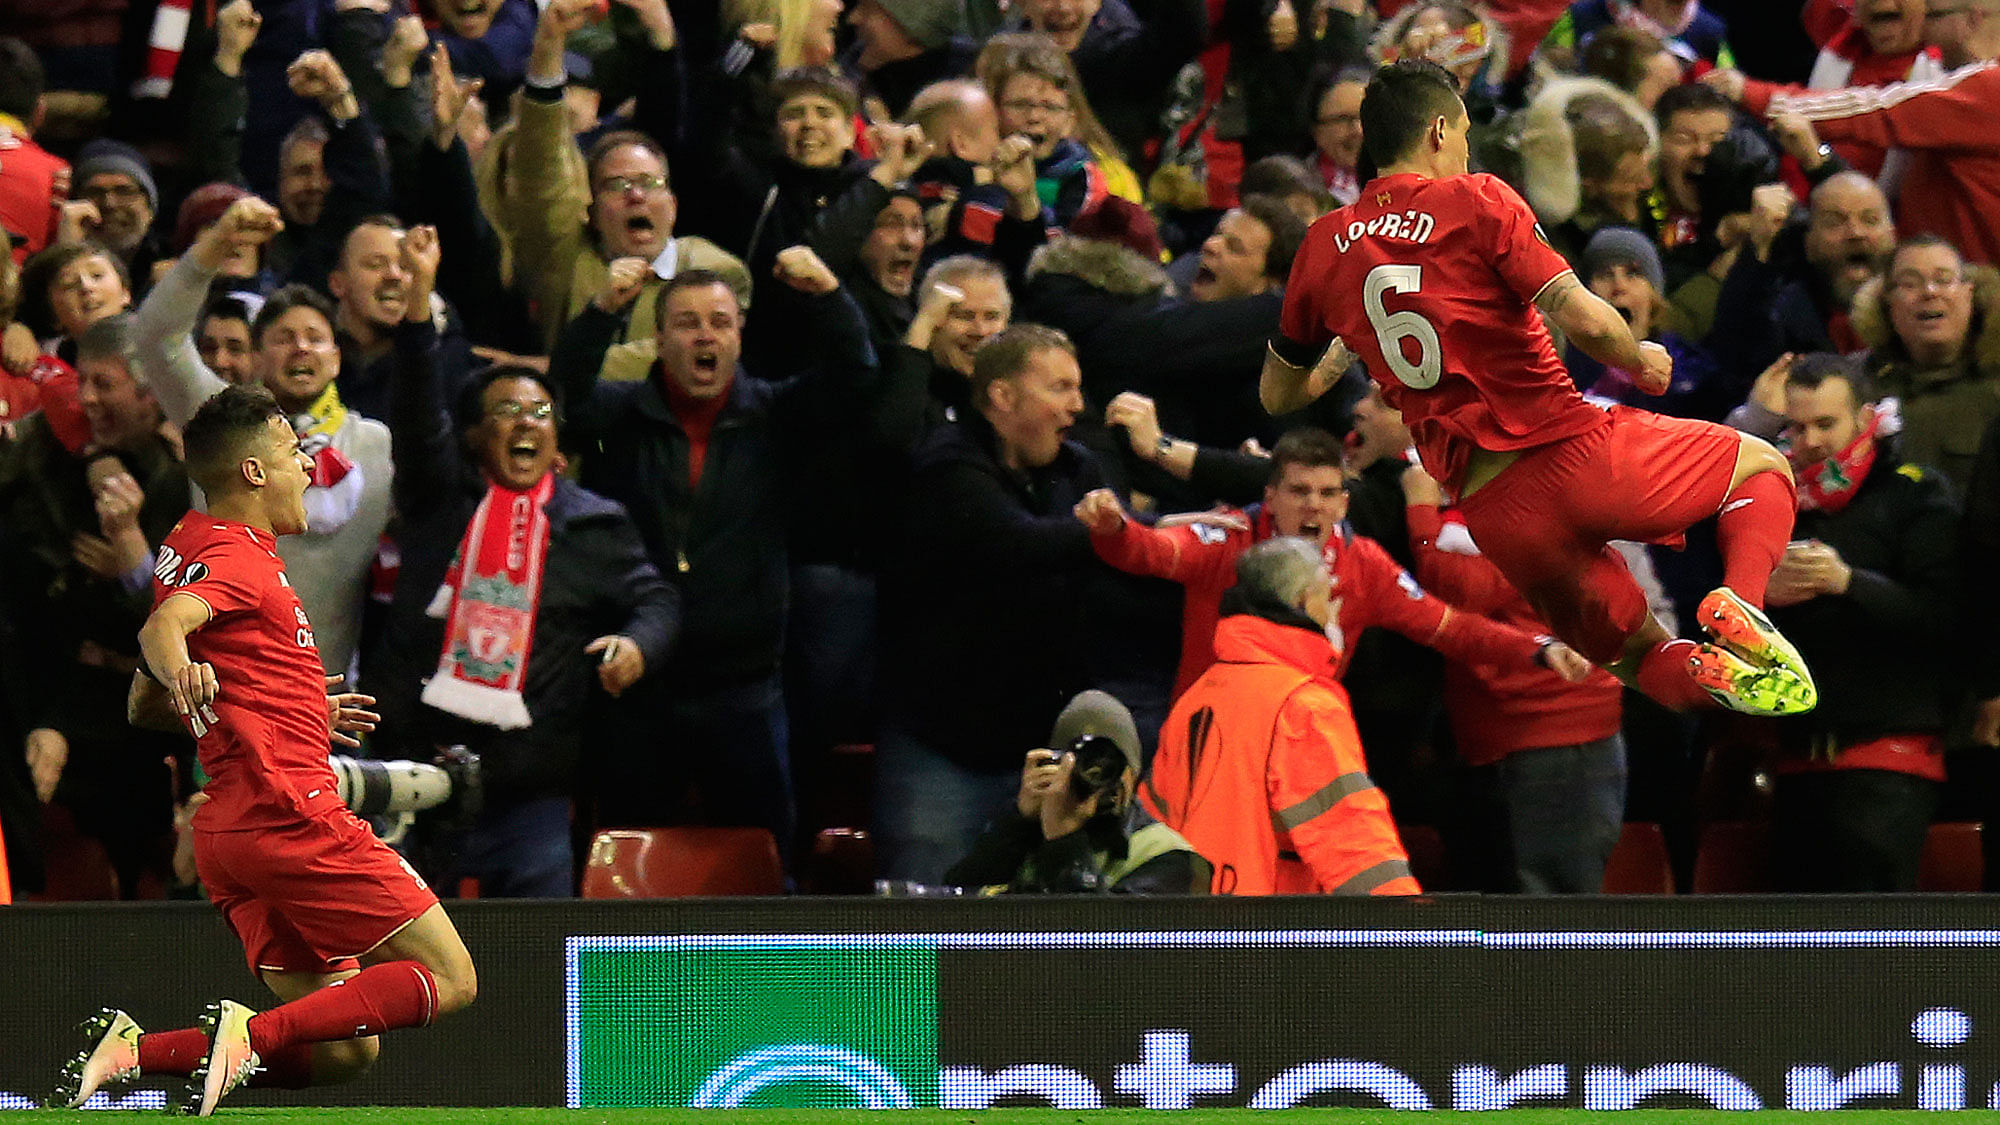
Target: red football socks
(379,998)
(1664,675)
(1752,529)
(173,1053)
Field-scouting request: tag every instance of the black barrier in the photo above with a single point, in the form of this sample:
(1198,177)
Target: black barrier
(1443,1002)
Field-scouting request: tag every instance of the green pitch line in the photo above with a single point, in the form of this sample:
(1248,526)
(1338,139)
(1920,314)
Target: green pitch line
(1055,1117)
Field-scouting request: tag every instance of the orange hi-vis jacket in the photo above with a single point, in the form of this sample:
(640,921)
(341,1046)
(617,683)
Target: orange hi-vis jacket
(1260,768)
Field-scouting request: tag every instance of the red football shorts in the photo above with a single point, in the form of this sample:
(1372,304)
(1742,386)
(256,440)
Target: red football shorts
(309,897)
(1545,520)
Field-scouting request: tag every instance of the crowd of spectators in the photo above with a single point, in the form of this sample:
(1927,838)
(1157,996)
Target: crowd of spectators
(865,360)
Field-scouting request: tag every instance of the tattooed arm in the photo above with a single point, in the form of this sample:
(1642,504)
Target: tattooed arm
(1592,324)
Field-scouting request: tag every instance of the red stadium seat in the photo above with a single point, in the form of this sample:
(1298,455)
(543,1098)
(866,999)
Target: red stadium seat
(1733,857)
(79,869)
(682,861)
(1953,858)
(1639,863)
(843,863)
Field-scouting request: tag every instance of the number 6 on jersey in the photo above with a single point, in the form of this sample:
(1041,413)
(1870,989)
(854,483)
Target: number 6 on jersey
(1391,329)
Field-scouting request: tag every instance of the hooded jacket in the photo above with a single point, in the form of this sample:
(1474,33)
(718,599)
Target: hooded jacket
(1260,768)
(1944,409)
(1546,143)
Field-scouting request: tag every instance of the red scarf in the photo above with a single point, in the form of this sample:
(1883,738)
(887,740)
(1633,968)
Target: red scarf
(1828,485)
(490,619)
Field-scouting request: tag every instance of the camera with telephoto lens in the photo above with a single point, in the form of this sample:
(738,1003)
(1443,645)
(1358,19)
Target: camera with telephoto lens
(1098,766)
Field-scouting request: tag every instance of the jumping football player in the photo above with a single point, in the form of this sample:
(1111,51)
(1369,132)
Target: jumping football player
(1429,277)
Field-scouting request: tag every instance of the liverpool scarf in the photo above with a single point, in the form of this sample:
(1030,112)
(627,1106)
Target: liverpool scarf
(1827,486)
(335,492)
(488,600)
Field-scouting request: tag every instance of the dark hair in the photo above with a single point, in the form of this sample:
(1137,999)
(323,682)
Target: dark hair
(1815,368)
(381,219)
(1620,55)
(21,79)
(1326,78)
(1922,241)
(616,139)
(471,400)
(1308,447)
(1402,100)
(690,279)
(1690,98)
(821,81)
(223,430)
(224,306)
(286,299)
(1280,176)
(38,276)
(1008,352)
(1288,232)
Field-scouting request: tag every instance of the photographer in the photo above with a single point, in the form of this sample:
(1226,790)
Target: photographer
(1073,827)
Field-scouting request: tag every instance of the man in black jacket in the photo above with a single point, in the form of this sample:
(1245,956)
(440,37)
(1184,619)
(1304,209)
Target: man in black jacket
(1869,593)
(983,602)
(707,459)
(601,614)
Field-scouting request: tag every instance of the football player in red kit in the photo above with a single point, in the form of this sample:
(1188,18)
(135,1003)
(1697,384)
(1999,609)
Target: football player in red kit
(336,924)
(1431,277)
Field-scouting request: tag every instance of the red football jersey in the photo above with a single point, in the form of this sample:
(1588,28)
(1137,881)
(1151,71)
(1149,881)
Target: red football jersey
(264,741)
(1432,283)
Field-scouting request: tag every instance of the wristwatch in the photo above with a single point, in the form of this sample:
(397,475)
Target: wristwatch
(1165,445)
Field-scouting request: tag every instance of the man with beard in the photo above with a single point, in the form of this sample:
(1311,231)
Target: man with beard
(1875,557)
(371,287)
(113,186)
(1791,293)
(294,353)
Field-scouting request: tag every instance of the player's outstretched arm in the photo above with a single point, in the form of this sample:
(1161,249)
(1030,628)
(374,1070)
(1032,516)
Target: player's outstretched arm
(163,643)
(1593,324)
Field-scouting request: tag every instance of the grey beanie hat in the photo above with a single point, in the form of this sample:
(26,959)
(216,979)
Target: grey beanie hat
(932,23)
(1614,246)
(106,156)
(1099,713)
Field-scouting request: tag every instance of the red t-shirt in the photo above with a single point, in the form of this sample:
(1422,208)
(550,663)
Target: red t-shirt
(1432,283)
(264,741)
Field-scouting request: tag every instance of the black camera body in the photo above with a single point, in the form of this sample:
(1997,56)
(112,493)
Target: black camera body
(1098,766)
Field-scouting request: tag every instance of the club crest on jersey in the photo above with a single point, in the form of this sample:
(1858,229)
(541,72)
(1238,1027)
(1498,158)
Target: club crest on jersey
(1384,199)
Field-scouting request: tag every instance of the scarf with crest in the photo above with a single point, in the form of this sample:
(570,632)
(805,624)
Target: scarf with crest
(335,492)
(488,600)
(1828,485)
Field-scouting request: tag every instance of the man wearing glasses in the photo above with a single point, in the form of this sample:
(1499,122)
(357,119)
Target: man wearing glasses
(632,208)
(522,602)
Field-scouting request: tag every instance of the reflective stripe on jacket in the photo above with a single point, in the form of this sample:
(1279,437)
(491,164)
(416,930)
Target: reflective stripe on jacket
(1260,768)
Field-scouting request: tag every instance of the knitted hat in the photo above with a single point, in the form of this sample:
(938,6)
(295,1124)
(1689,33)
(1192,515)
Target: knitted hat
(102,157)
(204,205)
(1098,713)
(1623,246)
(1119,220)
(932,23)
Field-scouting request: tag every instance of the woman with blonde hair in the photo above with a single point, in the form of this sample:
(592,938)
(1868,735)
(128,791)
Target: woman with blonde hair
(1039,95)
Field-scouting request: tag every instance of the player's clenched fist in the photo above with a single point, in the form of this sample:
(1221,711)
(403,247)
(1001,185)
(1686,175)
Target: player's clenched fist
(193,687)
(1101,512)
(1656,368)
